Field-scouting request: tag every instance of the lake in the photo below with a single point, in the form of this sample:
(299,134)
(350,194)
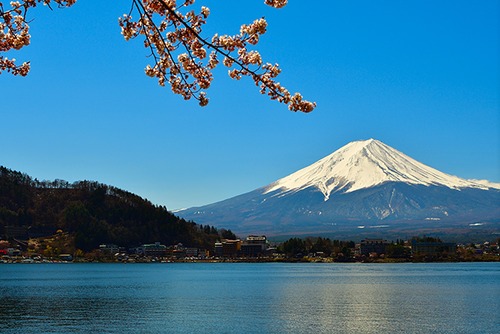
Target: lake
(250,298)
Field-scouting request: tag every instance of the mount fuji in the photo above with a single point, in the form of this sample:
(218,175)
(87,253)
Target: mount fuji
(365,188)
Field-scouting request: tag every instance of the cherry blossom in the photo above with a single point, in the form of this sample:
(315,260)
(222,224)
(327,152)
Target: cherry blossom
(182,57)
(14,31)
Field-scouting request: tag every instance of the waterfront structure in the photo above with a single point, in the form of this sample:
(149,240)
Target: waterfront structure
(368,246)
(66,257)
(109,248)
(227,248)
(230,248)
(218,249)
(254,246)
(156,249)
(432,247)
(191,252)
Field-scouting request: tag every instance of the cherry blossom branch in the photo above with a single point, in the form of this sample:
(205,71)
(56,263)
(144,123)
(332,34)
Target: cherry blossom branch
(143,12)
(187,69)
(189,76)
(14,31)
(245,68)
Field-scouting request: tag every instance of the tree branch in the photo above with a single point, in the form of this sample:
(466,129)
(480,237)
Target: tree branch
(254,74)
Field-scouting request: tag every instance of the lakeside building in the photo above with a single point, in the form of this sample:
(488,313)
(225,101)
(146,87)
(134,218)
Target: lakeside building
(252,246)
(230,248)
(192,252)
(227,248)
(368,246)
(66,257)
(156,249)
(109,248)
(179,251)
(218,249)
(432,247)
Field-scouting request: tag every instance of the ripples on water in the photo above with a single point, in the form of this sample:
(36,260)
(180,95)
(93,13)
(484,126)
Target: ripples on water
(251,298)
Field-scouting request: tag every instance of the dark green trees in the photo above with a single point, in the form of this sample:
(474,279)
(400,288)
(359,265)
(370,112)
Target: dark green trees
(93,213)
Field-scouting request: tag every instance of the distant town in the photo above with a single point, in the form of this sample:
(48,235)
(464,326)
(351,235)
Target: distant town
(86,221)
(254,248)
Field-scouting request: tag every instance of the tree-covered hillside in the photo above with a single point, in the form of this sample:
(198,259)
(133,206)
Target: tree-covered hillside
(92,212)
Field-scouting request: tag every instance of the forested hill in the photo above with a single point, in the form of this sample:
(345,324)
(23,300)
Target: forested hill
(92,212)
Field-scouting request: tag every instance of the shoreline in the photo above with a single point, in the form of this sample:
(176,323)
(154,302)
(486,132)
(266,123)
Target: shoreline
(295,261)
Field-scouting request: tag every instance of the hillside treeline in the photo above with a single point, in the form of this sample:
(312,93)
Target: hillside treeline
(294,247)
(93,213)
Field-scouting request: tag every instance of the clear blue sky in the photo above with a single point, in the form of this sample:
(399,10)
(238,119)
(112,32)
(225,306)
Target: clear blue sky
(421,76)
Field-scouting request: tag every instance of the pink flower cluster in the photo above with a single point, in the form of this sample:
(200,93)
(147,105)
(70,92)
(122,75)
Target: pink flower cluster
(276,3)
(185,60)
(182,58)
(14,31)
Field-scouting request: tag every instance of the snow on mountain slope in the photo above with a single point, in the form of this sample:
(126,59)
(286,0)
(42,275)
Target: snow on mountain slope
(362,184)
(364,164)
(486,183)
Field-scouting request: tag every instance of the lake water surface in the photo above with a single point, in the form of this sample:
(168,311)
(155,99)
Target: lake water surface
(250,298)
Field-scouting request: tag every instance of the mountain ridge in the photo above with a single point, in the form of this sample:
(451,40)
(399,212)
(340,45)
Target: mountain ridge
(364,183)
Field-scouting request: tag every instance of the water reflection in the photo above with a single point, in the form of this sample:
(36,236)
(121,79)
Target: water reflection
(374,300)
(68,314)
(265,298)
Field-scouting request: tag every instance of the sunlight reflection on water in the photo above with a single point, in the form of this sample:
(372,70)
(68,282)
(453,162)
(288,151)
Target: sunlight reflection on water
(264,298)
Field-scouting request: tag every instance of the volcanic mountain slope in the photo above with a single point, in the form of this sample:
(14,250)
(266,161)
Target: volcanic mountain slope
(363,184)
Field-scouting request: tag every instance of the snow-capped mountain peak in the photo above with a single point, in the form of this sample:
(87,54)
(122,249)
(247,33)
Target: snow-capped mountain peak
(364,164)
(361,184)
